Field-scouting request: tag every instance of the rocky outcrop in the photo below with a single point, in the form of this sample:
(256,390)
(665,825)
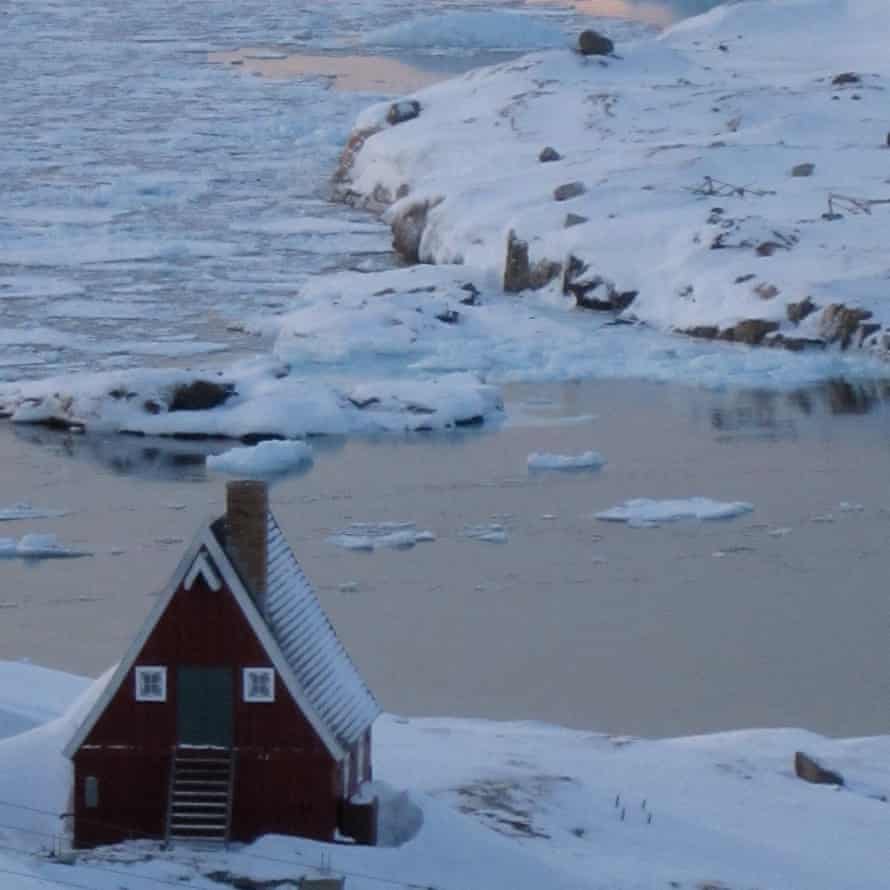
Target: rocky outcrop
(797,312)
(839,324)
(568,190)
(200,395)
(810,770)
(593,291)
(407,229)
(549,154)
(520,274)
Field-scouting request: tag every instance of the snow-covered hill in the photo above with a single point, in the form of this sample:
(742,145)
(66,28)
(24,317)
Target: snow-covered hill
(729,178)
(474,805)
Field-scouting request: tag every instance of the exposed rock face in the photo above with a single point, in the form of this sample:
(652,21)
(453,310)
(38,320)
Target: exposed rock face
(592,43)
(803,169)
(516,268)
(200,395)
(592,291)
(520,274)
(406,110)
(750,331)
(407,230)
(797,312)
(810,770)
(838,323)
(568,190)
(548,155)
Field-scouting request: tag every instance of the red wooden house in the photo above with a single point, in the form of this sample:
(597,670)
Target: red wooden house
(236,712)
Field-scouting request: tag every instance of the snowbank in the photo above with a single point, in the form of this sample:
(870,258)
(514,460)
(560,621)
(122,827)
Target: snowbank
(263,459)
(727,179)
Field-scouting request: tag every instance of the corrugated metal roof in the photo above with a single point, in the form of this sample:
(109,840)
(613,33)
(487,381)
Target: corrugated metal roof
(310,645)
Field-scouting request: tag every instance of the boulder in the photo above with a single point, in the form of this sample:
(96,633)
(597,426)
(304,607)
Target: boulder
(472,297)
(593,291)
(592,43)
(702,331)
(797,312)
(516,267)
(766,291)
(200,395)
(847,78)
(404,110)
(574,219)
(803,169)
(568,190)
(548,155)
(750,331)
(407,230)
(838,323)
(810,770)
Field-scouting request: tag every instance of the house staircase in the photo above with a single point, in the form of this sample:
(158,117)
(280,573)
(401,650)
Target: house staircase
(200,800)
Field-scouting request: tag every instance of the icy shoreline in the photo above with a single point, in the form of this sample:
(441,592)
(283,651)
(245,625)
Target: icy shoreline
(710,181)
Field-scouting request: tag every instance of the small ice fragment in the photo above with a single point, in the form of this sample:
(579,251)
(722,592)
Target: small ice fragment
(172,539)
(548,516)
(492,533)
(847,507)
(348,587)
(175,506)
(824,517)
(26,511)
(378,535)
(425,537)
(779,532)
(637,512)
(598,560)
(588,460)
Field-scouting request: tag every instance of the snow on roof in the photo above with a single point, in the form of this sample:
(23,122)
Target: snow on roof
(311,647)
(321,668)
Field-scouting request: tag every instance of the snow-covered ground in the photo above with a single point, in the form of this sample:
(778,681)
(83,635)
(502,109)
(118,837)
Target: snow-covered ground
(475,804)
(727,178)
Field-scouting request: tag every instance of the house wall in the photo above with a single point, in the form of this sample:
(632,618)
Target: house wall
(285,781)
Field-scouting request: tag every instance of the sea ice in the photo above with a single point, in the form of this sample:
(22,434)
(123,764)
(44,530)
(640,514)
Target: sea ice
(647,511)
(26,511)
(38,546)
(264,459)
(491,533)
(587,460)
(380,535)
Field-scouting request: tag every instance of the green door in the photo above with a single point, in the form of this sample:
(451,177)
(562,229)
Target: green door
(204,706)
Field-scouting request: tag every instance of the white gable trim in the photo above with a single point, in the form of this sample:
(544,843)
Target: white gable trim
(205,548)
(201,567)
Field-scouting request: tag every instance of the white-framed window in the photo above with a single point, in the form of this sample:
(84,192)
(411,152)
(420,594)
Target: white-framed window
(259,684)
(151,684)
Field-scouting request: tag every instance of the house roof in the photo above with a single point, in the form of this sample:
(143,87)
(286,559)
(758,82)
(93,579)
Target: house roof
(295,632)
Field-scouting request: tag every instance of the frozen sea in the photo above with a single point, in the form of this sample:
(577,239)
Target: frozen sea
(152,201)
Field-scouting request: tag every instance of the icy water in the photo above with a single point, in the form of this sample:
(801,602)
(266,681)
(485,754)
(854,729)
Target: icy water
(777,617)
(152,200)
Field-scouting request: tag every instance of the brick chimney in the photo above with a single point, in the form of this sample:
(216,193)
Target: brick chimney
(247,506)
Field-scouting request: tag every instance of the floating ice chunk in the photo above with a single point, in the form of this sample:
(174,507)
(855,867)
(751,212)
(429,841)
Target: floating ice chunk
(492,533)
(38,546)
(587,460)
(377,535)
(640,512)
(265,459)
(779,532)
(847,507)
(26,511)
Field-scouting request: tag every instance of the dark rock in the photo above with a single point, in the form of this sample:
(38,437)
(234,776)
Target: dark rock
(866,330)
(361,404)
(405,110)
(810,770)
(766,291)
(548,155)
(574,219)
(794,344)
(150,406)
(592,43)
(743,278)
(542,273)
(845,79)
(803,169)
(768,248)
(472,297)
(407,230)
(449,316)
(200,395)
(797,312)
(516,267)
(838,323)
(702,331)
(592,291)
(750,331)
(568,190)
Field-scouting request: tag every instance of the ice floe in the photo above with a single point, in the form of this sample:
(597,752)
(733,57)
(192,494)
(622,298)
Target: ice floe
(489,532)
(27,511)
(38,546)
(380,535)
(587,460)
(648,511)
(271,458)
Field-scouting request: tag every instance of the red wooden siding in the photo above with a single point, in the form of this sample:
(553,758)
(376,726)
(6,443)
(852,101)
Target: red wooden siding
(285,781)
